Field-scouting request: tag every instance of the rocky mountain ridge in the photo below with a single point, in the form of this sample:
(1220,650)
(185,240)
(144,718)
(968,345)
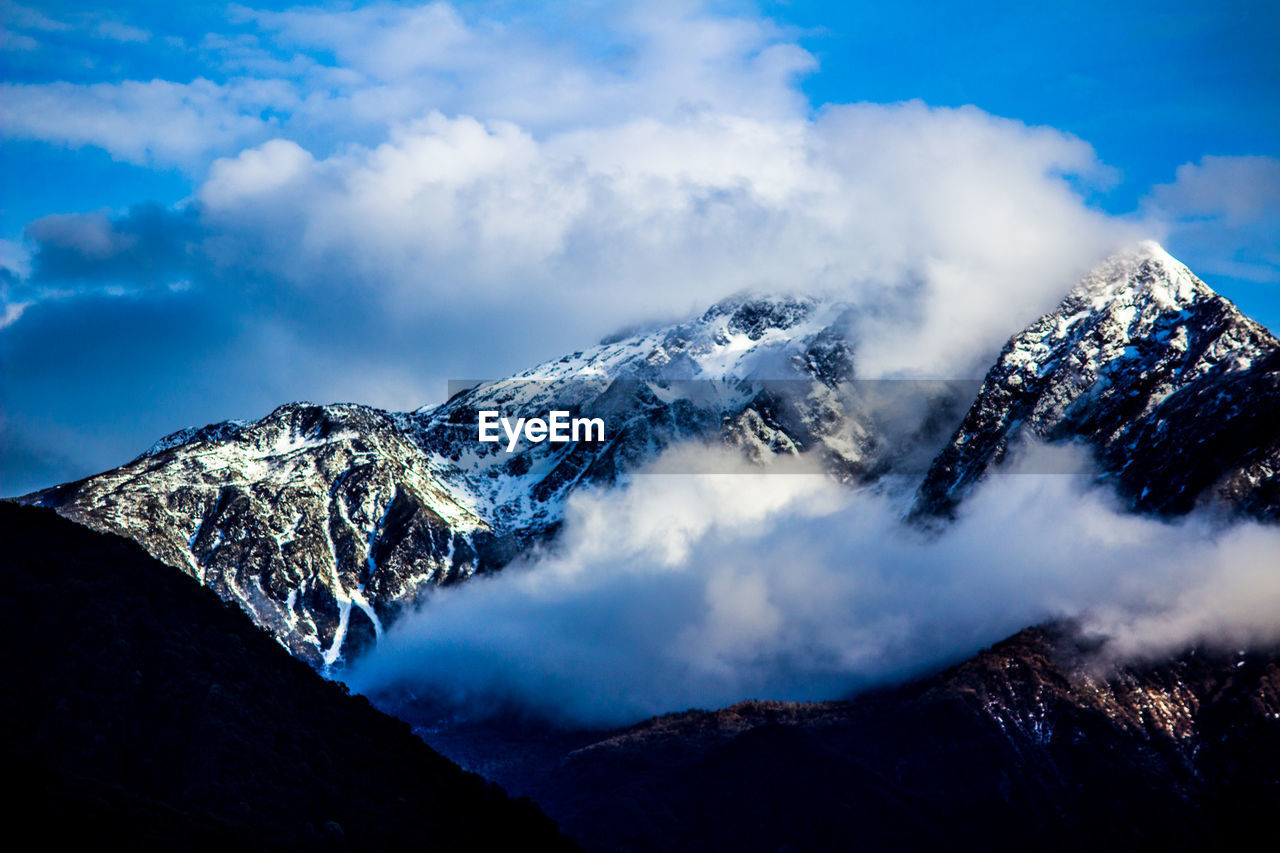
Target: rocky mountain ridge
(324,522)
(1176,392)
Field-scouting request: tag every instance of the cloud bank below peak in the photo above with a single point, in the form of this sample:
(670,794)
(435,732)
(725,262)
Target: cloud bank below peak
(687,591)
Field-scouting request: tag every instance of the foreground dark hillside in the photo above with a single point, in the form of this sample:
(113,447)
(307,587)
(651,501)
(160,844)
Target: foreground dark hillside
(137,708)
(1026,746)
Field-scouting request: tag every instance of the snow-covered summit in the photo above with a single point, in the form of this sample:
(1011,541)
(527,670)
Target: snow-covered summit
(743,337)
(759,371)
(323,522)
(1144,271)
(1146,363)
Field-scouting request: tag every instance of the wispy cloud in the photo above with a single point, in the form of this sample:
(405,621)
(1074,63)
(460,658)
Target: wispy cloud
(117,31)
(28,18)
(1226,211)
(151,122)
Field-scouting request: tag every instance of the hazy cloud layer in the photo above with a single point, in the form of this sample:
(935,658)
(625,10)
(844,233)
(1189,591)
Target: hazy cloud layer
(698,591)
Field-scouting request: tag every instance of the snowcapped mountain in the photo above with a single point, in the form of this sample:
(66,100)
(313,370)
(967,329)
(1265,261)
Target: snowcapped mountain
(323,522)
(1176,391)
(317,520)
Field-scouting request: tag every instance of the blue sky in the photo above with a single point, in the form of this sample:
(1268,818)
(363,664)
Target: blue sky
(212,209)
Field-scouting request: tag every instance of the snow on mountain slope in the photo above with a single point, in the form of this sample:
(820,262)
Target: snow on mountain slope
(765,374)
(1177,392)
(318,520)
(323,522)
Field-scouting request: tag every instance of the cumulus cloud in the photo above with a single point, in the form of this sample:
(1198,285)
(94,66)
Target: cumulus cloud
(1226,212)
(952,227)
(644,59)
(146,122)
(681,164)
(957,224)
(429,195)
(701,590)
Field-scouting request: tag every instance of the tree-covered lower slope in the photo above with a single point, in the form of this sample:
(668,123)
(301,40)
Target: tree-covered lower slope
(138,708)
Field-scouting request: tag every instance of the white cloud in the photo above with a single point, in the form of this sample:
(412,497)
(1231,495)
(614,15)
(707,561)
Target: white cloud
(1225,211)
(700,590)
(142,122)
(335,76)
(957,221)
(384,41)
(1232,599)
(255,172)
(645,59)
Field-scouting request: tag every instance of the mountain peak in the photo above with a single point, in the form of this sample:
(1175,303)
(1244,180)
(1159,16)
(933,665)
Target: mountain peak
(754,314)
(1143,273)
(1141,361)
(323,522)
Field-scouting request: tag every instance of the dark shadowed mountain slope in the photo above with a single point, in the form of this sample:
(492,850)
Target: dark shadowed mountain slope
(140,711)
(1025,746)
(319,521)
(1175,390)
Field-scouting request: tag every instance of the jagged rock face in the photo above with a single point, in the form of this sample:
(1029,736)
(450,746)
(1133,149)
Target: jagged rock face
(771,376)
(323,522)
(1176,391)
(319,521)
(1036,738)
